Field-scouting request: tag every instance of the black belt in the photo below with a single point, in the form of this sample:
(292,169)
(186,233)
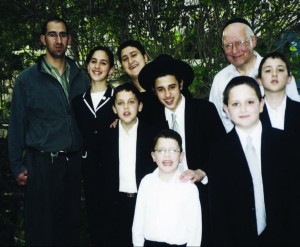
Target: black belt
(54,154)
(131,195)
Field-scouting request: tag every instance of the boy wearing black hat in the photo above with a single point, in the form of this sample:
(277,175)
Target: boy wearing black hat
(196,120)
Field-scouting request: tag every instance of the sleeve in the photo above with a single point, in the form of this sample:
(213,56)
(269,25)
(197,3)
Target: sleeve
(138,220)
(16,132)
(195,218)
(292,91)
(216,97)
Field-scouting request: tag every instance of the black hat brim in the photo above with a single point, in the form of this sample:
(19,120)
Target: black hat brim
(165,65)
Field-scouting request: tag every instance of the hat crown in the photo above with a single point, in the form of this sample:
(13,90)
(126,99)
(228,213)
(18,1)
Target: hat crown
(163,65)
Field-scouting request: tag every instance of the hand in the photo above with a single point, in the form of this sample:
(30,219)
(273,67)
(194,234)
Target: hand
(192,175)
(114,123)
(22,178)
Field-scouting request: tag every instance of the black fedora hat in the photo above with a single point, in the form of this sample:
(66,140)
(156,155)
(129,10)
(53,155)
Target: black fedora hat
(164,65)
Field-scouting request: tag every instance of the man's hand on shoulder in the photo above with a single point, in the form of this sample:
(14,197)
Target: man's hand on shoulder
(192,175)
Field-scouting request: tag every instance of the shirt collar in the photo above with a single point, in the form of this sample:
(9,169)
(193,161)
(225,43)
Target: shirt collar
(47,67)
(179,111)
(132,131)
(280,108)
(255,135)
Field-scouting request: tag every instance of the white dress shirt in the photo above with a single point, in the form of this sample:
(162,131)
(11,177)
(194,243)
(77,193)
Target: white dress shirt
(127,159)
(179,112)
(223,77)
(167,212)
(277,115)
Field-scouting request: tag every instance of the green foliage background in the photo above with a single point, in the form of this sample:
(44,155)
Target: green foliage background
(186,29)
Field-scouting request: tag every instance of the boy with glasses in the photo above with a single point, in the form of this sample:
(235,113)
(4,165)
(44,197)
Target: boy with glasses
(196,120)
(167,211)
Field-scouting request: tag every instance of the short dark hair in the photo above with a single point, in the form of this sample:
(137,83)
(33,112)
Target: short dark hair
(168,134)
(127,87)
(133,43)
(241,80)
(54,19)
(274,54)
(101,48)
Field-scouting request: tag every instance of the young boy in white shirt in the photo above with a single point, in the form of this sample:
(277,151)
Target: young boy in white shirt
(168,211)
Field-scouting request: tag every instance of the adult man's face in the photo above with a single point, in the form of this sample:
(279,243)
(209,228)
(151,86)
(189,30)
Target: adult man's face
(237,45)
(56,39)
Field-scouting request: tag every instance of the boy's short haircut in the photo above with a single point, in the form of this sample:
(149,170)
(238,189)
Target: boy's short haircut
(168,134)
(241,80)
(127,87)
(132,43)
(54,19)
(274,55)
(101,48)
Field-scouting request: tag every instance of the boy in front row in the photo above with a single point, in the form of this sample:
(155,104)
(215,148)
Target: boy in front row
(168,211)
(253,176)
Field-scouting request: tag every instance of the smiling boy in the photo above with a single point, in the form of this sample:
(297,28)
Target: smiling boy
(250,201)
(162,215)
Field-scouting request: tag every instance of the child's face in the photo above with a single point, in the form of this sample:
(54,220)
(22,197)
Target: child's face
(133,61)
(167,155)
(127,107)
(274,75)
(99,66)
(244,107)
(167,90)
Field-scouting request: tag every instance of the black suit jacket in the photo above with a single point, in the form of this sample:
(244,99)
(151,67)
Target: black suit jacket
(231,195)
(291,118)
(93,123)
(202,128)
(110,156)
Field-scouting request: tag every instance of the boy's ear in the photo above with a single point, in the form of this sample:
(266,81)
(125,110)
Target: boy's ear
(140,106)
(146,58)
(114,109)
(261,105)
(225,109)
(153,156)
(181,85)
(259,81)
(181,156)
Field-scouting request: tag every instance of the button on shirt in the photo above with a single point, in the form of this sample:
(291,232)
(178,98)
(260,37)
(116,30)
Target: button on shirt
(277,115)
(127,158)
